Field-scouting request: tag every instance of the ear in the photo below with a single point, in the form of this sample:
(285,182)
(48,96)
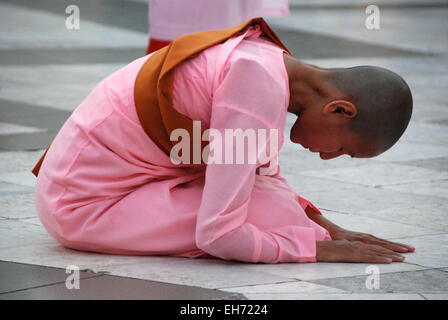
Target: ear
(342,107)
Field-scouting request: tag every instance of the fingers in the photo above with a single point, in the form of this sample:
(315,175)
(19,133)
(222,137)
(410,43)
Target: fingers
(376,259)
(390,245)
(370,253)
(355,251)
(395,246)
(402,246)
(394,258)
(385,252)
(399,247)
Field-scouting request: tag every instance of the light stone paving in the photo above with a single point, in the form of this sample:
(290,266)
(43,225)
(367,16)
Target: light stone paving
(291,287)
(339,296)
(37,29)
(435,296)
(379,227)
(412,28)
(23,178)
(18,206)
(15,161)
(432,251)
(401,195)
(59,85)
(421,281)
(317,271)
(13,189)
(8,128)
(379,174)
(425,188)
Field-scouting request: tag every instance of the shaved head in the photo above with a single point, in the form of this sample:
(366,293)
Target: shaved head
(382,98)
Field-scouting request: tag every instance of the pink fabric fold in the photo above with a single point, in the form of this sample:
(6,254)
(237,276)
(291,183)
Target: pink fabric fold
(106,187)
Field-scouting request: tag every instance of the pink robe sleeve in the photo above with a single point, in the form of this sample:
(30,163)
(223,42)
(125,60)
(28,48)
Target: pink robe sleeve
(248,97)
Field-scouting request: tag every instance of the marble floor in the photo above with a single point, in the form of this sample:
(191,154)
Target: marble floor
(403,194)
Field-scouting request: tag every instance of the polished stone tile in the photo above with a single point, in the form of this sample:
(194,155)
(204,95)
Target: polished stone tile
(74,83)
(311,45)
(70,56)
(205,273)
(16,161)
(431,251)
(411,68)
(440,164)
(45,27)
(15,233)
(422,281)
(426,133)
(344,23)
(302,184)
(313,271)
(435,296)
(18,276)
(50,120)
(53,74)
(52,254)
(26,141)
(117,288)
(404,150)
(9,128)
(332,296)
(32,114)
(425,214)
(13,189)
(293,287)
(18,206)
(343,5)
(294,159)
(437,188)
(374,202)
(378,227)
(378,174)
(24,178)
(36,221)
(429,90)
(435,113)
(442,120)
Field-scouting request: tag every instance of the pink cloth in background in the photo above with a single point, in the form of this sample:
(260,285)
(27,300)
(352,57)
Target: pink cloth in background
(169,19)
(105,186)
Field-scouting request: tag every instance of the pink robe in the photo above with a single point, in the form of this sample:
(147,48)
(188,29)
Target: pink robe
(105,186)
(169,19)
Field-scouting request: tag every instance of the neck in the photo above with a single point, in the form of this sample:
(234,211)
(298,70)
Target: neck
(305,84)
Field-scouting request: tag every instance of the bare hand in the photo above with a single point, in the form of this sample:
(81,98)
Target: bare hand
(342,234)
(355,251)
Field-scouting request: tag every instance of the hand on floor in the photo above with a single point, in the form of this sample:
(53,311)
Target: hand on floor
(342,234)
(354,251)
